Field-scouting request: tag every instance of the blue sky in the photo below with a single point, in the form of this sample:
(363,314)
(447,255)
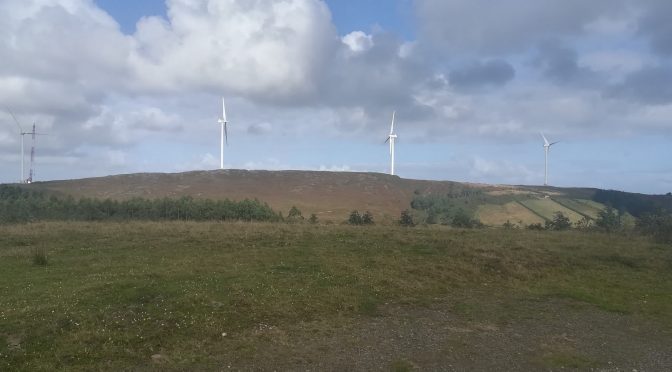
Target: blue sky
(125,87)
(348,16)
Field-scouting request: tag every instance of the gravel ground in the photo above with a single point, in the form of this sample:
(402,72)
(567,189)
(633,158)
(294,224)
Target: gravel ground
(513,335)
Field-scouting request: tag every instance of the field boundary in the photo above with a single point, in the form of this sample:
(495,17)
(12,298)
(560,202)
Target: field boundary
(572,209)
(531,210)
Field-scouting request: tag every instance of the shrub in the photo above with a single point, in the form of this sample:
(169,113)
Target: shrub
(560,222)
(584,223)
(608,220)
(406,219)
(462,220)
(40,257)
(535,226)
(508,225)
(294,214)
(355,218)
(658,225)
(313,219)
(367,218)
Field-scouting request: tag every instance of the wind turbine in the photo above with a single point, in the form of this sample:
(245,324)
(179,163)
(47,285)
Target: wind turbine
(547,146)
(33,133)
(21,133)
(391,138)
(224,135)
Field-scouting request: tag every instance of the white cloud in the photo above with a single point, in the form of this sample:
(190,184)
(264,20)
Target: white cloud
(614,62)
(502,170)
(358,41)
(264,49)
(335,168)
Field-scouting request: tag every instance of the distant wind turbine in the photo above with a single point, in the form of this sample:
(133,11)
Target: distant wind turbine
(547,147)
(32,150)
(391,139)
(224,135)
(21,133)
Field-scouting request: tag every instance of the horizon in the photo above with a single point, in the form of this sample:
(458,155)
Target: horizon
(311,85)
(541,186)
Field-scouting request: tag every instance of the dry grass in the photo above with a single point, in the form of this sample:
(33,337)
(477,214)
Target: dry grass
(547,207)
(497,215)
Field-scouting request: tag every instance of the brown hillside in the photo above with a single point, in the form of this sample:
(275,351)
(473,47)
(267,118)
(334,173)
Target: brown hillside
(330,195)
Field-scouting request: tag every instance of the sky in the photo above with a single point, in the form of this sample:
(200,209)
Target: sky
(126,87)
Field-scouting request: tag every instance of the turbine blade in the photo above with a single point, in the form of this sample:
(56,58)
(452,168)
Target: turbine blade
(387,140)
(226,134)
(545,140)
(392,126)
(553,143)
(16,121)
(223,110)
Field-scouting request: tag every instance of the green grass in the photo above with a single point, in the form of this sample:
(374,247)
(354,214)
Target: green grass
(113,295)
(547,208)
(584,207)
(568,359)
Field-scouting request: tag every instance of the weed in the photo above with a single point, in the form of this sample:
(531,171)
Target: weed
(40,257)
(568,359)
(401,365)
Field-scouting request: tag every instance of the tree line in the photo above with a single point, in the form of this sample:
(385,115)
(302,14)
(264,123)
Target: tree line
(20,205)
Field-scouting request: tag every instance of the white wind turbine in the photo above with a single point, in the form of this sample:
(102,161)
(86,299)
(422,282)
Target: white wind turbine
(547,146)
(22,134)
(224,135)
(391,138)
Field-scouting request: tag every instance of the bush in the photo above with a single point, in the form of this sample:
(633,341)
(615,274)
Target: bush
(608,220)
(294,214)
(508,225)
(367,218)
(535,226)
(560,222)
(355,218)
(658,225)
(406,219)
(584,223)
(462,220)
(313,219)
(40,257)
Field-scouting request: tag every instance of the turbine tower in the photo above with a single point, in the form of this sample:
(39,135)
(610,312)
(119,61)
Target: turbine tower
(391,139)
(224,138)
(547,146)
(32,156)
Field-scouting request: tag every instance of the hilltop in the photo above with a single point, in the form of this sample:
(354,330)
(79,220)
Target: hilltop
(332,195)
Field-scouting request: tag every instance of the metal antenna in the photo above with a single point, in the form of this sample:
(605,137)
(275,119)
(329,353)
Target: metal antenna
(32,156)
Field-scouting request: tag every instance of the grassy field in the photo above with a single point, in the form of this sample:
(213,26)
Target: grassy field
(515,213)
(584,207)
(547,208)
(214,296)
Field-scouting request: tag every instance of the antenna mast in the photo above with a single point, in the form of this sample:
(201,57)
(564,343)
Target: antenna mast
(32,156)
